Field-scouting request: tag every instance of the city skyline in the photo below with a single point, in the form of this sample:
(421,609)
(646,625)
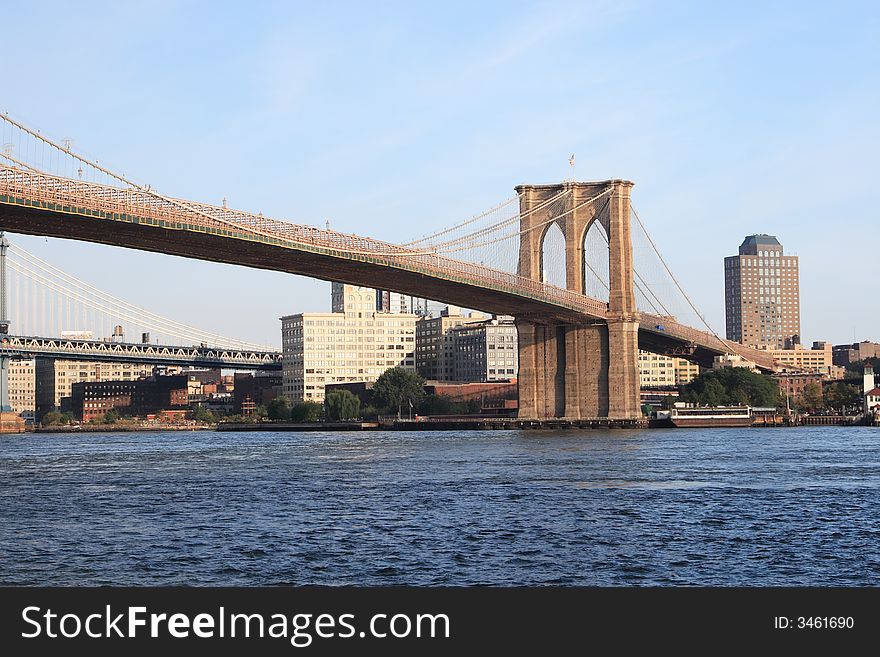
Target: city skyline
(706,117)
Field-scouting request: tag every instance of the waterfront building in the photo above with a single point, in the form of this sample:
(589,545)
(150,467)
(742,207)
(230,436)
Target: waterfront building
(435,346)
(354,342)
(485,351)
(90,400)
(659,371)
(792,384)
(22,388)
(685,371)
(870,393)
(258,389)
(868,379)
(656,370)
(818,359)
(872,400)
(492,395)
(761,292)
(54,378)
(732,360)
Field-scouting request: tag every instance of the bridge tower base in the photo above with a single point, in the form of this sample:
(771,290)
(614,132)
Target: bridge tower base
(579,372)
(589,370)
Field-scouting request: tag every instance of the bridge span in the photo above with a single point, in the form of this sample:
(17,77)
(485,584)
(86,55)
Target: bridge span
(38,204)
(578,354)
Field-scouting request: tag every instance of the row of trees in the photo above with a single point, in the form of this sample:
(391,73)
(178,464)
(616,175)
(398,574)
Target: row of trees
(55,418)
(395,392)
(733,386)
(857,368)
(838,396)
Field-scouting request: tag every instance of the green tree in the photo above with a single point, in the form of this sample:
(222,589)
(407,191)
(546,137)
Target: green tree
(55,418)
(435,405)
(279,409)
(857,369)
(397,388)
(442,405)
(260,413)
(811,398)
(307,411)
(370,412)
(342,405)
(842,395)
(51,418)
(731,386)
(713,393)
(111,416)
(202,414)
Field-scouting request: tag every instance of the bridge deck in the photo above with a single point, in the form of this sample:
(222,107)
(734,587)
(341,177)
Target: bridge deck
(39,204)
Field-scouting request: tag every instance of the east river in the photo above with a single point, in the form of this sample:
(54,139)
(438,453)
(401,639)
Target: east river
(793,506)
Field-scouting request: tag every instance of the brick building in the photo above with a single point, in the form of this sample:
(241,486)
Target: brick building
(93,399)
(793,385)
(255,390)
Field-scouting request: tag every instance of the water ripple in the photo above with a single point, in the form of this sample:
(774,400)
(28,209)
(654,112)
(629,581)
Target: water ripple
(716,507)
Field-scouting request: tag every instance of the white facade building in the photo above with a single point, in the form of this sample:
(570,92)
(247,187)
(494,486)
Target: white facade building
(22,388)
(352,343)
(656,370)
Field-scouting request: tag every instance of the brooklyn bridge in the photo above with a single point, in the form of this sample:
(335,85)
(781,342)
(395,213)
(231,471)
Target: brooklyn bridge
(580,330)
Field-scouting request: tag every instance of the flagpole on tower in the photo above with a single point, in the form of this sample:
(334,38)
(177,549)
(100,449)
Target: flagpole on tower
(571,164)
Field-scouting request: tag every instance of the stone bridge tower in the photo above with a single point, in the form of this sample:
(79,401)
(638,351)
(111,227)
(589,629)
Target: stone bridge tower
(587,370)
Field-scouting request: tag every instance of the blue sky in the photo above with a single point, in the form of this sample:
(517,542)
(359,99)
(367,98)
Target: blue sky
(392,119)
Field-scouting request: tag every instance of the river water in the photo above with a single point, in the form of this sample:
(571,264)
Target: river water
(794,506)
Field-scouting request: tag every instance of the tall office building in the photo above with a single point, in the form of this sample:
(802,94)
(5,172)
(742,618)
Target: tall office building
(352,343)
(761,292)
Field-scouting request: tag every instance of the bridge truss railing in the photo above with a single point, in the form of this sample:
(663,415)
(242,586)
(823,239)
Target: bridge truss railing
(134,203)
(704,338)
(95,350)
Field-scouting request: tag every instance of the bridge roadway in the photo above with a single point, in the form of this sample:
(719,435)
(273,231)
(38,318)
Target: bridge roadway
(39,204)
(92,350)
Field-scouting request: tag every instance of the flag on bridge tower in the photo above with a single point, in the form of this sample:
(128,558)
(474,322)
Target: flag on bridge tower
(571,160)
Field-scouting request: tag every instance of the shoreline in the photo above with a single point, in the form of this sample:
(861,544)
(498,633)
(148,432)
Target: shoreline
(115,429)
(433,424)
